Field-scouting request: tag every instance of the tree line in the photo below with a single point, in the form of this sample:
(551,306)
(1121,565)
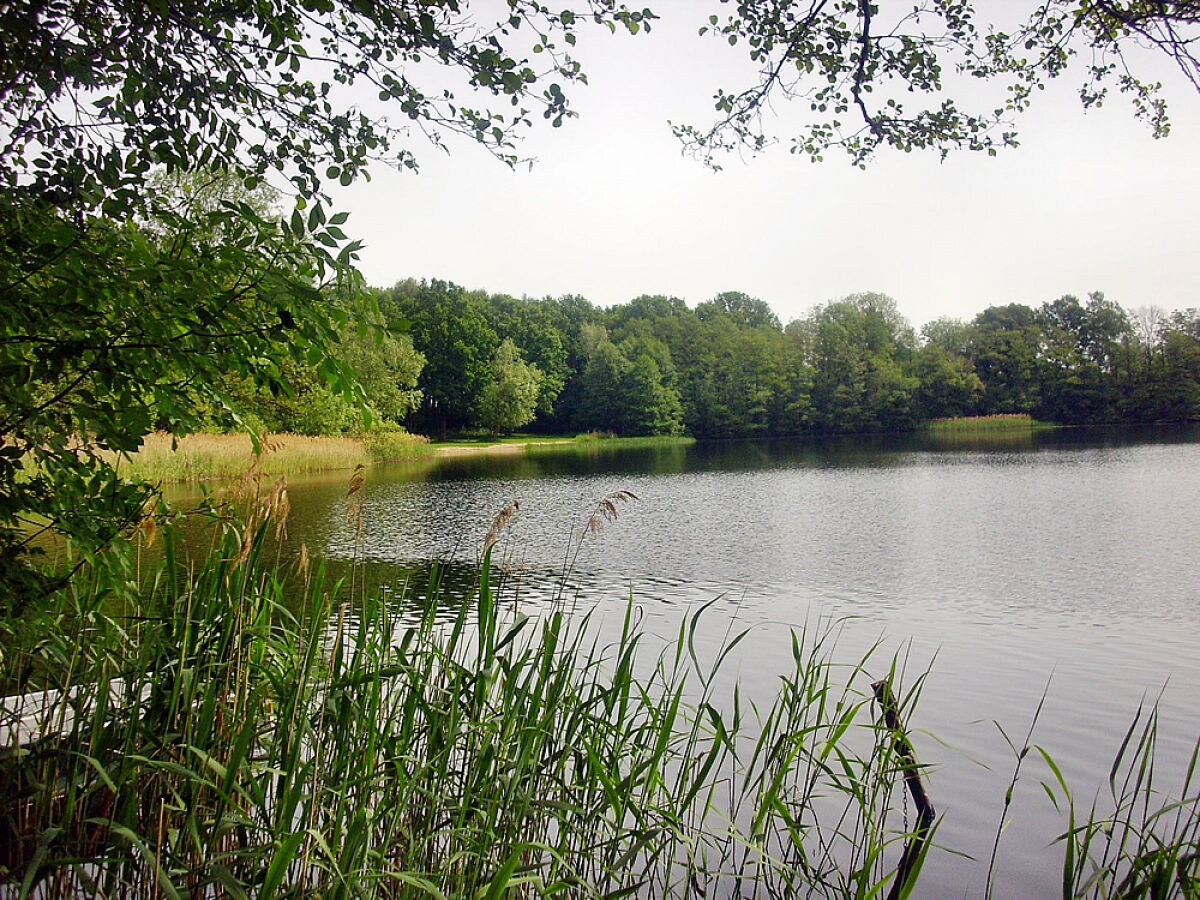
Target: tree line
(730,368)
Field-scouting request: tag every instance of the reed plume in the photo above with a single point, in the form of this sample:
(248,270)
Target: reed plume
(502,520)
(607,510)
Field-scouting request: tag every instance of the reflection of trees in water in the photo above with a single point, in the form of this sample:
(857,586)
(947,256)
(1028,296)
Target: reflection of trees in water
(575,459)
(881,451)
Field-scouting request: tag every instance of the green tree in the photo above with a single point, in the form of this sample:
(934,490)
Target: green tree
(591,336)
(691,350)
(387,366)
(312,408)
(119,310)
(629,388)
(744,383)
(650,403)
(742,309)
(1186,321)
(736,372)
(947,385)
(449,327)
(1005,347)
(1179,389)
(952,335)
(1079,349)
(648,391)
(602,403)
(861,349)
(510,400)
(1163,385)
(651,307)
(530,324)
(571,317)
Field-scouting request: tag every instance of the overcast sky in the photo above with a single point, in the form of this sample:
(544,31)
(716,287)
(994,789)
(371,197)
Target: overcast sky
(612,209)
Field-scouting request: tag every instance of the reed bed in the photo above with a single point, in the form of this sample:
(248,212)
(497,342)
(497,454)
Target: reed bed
(395,444)
(164,458)
(655,440)
(985,424)
(348,750)
(1133,839)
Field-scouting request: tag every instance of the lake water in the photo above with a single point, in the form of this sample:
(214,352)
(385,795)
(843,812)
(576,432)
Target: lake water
(1059,563)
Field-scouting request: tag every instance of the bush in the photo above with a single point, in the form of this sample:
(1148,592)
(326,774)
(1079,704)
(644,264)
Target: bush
(388,441)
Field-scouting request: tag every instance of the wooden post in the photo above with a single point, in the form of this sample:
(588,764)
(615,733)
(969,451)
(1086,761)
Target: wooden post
(912,780)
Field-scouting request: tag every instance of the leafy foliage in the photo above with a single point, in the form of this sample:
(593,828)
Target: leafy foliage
(601,408)
(873,76)
(260,87)
(862,346)
(532,326)
(449,326)
(744,310)
(125,306)
(109,332)
(510,399)
(387,366)
(629,389)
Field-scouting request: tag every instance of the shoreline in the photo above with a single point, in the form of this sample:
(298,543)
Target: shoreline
(202,457)
(500,448)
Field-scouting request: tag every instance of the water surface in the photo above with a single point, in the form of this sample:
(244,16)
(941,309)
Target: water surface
(1055,563)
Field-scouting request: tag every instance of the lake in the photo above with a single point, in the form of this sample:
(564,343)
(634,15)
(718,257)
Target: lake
(1060,563)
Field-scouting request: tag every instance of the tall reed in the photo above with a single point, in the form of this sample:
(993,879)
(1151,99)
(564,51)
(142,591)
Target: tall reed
(211,739)
(165,458)
(222,744)
(1133,840)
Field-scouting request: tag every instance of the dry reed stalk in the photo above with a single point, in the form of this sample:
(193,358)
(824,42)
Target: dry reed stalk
(607,511)
(358,480)
(278,506)
(500,523)
(303,562)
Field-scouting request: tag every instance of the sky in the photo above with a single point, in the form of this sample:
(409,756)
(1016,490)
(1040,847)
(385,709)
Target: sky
(611,208)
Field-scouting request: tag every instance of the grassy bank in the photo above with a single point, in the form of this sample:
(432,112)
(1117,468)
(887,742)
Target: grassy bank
(531,444)
(590,438)
(164,458)
(985,424)
(592,443)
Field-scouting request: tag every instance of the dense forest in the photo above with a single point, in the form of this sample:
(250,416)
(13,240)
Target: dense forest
(454,359)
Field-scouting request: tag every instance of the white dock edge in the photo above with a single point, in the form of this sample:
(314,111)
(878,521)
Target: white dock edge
(27,718)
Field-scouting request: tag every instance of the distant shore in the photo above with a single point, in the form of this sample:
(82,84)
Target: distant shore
(167,459)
